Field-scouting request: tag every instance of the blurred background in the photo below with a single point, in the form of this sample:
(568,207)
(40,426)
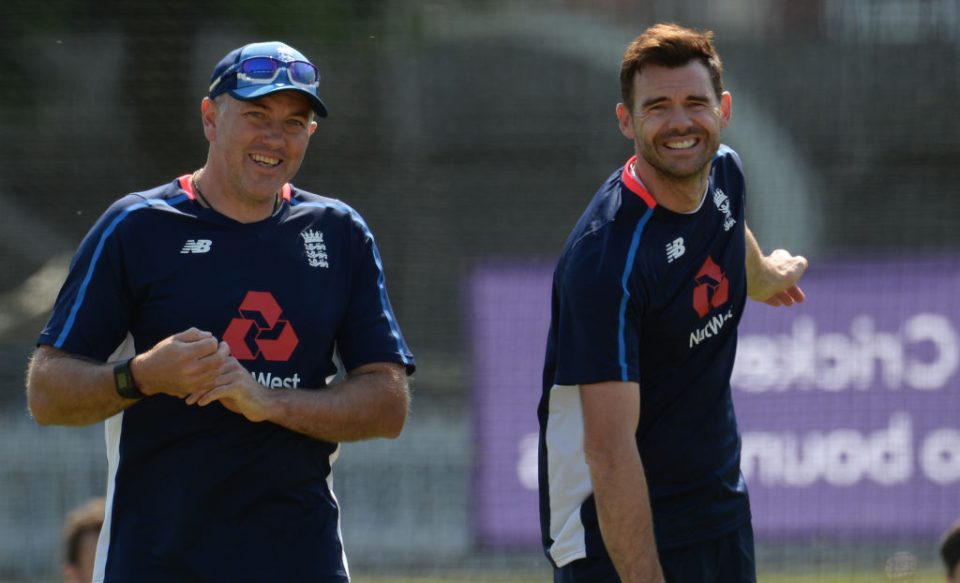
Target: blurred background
(470,134)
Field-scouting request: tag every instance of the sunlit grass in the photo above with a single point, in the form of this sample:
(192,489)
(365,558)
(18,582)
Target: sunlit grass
(840,577)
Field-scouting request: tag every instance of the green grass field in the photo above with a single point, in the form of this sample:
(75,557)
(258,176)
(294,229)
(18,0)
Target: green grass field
(924,577)
(848,577)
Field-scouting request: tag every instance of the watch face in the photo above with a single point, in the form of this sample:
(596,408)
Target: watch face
(123,379)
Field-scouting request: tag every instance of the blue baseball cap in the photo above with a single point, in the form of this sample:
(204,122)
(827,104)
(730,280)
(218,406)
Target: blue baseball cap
(259,69)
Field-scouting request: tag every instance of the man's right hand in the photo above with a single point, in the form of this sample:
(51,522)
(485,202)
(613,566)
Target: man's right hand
(185,363)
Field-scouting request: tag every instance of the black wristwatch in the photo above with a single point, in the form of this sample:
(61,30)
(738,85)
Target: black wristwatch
(123,378)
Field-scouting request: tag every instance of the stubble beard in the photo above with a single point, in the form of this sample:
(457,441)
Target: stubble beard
(671,172)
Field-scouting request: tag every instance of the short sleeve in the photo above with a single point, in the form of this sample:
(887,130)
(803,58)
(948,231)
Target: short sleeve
(596,314)
(370,332)
(92,313)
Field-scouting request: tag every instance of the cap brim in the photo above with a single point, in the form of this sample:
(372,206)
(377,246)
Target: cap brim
(258,91)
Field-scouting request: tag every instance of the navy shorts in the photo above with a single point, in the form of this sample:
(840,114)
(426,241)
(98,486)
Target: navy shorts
(728,559)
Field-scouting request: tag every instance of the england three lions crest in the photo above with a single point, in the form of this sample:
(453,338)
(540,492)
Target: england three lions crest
(315,248)
(722,202)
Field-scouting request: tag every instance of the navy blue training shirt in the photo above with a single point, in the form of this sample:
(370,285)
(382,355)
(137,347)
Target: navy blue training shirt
(200,493)
(647,295)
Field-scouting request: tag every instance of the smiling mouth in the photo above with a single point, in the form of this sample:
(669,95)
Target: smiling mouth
(265,160)
(684,144)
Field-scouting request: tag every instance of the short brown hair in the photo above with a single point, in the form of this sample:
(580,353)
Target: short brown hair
(669,45)
(84,519)
(950,549)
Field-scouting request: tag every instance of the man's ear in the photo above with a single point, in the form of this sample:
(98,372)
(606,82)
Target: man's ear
(625,121)
(726,108)
(208,115)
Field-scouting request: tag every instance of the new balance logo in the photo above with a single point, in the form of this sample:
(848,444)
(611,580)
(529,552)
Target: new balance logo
(196,246)
(675,249)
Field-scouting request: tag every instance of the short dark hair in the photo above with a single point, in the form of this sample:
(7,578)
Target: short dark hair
(950,549)
(669,45)
(84,519)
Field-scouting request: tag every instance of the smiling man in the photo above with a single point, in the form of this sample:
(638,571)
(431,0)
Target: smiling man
(639,448)
(202,319)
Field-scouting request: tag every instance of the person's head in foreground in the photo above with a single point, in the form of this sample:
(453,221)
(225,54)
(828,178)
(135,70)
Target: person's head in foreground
(80,533)
(950,553)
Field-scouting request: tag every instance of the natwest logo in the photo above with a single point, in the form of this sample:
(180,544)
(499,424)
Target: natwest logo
(259,331)
(712,289)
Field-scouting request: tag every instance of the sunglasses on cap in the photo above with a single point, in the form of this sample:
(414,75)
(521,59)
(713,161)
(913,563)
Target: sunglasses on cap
(265,70)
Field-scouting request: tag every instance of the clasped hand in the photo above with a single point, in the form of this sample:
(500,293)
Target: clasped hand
(193,365)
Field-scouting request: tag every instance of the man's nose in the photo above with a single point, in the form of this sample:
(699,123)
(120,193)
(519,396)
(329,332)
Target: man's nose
(273,132)
(680,119)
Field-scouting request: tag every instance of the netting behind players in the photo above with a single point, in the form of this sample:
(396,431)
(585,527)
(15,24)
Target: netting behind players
(470,135)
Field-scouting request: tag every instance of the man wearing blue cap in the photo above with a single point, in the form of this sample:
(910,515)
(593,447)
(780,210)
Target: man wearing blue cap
(202,319)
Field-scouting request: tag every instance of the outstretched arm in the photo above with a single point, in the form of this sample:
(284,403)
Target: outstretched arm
(772,279)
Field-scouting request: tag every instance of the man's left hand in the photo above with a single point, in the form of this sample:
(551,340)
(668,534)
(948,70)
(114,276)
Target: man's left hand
(236,390)
(775,283)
